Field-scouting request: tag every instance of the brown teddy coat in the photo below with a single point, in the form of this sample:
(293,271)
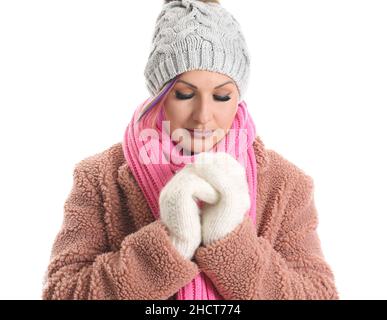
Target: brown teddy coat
(111,247)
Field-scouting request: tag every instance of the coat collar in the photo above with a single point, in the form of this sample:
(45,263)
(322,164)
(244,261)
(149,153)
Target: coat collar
(260,154)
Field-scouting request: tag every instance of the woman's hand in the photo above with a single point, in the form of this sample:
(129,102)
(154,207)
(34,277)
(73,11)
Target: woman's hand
(179,210)
(228,177)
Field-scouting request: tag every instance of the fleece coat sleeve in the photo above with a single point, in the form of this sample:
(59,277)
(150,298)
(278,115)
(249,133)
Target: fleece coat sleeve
(146,266)
(245,266)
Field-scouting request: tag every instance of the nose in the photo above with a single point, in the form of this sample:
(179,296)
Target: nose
(202,112)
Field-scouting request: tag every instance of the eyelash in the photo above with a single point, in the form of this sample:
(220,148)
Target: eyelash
(181,96)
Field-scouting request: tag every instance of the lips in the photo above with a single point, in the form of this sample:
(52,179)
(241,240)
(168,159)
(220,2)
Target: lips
(200,133)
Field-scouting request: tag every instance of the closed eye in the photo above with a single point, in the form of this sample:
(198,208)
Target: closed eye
(182,96)
(222,98)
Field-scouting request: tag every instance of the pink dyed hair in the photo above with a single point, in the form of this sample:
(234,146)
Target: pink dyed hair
(154,106)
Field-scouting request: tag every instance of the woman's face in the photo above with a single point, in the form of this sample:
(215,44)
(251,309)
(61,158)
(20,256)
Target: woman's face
(201,100)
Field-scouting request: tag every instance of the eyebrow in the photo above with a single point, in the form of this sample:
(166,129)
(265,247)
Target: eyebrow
(195,87)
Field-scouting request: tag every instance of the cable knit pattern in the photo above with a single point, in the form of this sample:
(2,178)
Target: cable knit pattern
(111,247)
(191,34)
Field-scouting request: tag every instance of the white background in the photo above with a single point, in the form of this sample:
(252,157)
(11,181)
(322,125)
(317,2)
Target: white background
(71,74)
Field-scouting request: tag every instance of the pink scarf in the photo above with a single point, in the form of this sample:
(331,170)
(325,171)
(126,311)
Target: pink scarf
(153,176)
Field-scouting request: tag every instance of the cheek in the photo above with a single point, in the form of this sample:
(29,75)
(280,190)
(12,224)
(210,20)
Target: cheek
(225,117)
(176,114)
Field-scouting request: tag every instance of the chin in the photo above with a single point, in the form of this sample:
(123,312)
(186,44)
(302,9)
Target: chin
(199,145)
(200,149)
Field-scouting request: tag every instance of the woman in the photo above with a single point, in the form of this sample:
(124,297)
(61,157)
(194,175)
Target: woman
(190,205)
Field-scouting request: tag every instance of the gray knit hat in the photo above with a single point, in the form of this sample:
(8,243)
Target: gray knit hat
(193,35)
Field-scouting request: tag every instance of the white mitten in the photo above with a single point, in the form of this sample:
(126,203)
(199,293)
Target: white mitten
(228,177)
(179,210)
